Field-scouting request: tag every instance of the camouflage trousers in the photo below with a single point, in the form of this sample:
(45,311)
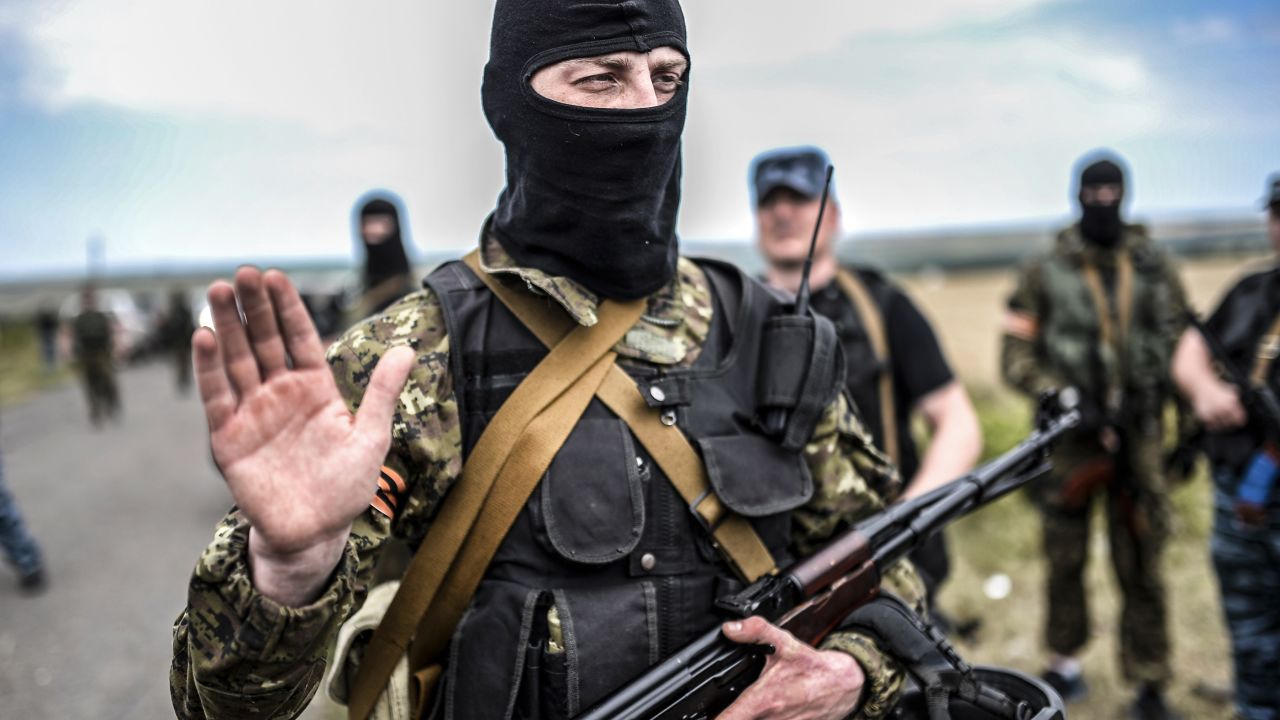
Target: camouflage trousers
(100,386)
(1137,526)
(1247,561)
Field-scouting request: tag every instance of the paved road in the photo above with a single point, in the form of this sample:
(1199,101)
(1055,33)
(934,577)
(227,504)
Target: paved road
(122,513)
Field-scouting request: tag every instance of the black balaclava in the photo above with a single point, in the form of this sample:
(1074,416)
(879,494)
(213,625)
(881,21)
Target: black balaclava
(1101,224)
(591,194)
(386,259)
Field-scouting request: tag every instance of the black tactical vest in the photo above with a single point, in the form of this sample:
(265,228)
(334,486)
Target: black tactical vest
(605,538)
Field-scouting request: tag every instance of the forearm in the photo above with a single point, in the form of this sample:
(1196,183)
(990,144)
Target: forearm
(1193,366)
(238,653)
(294,579)
(956,442)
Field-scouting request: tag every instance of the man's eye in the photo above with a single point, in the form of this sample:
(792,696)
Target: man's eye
(668,82)
(603,81)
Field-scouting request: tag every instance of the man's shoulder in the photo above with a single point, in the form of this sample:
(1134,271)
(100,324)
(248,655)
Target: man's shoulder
(1251,291)
(416,320)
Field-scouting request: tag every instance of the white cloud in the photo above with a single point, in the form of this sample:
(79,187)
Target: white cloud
(1211,30)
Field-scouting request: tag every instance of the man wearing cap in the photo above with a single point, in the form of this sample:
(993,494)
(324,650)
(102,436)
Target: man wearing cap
(1101,312)
(895,367)
(604,569)
(1246,525)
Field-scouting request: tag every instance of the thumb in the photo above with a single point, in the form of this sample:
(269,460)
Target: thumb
(380,398)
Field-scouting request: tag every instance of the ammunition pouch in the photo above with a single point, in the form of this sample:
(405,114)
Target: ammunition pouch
(802,368)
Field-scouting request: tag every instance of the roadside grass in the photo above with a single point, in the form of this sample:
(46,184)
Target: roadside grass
(1005,539)
(22,371)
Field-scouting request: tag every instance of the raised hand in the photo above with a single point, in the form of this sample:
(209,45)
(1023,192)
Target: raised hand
(299,465)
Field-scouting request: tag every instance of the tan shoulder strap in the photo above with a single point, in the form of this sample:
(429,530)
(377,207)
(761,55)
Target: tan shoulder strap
(666,444)
(1265,357)
(873,323)
(500,473)
(1114,332)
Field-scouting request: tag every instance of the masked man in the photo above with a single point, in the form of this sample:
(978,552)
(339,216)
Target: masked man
(894,362)
(604,570)
(387,274)
(1243,455)
(1101,312)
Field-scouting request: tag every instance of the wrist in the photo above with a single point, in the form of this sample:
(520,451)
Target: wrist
(294,578)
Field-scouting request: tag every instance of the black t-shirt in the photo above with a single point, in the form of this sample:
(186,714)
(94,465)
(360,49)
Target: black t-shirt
(1241,319)
(919,366)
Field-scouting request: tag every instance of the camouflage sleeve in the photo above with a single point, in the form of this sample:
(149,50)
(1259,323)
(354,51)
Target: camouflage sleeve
(1022,362)
(238,654)
(850,478)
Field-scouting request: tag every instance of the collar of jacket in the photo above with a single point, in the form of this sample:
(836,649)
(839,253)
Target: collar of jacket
(1072,247)
(665,308)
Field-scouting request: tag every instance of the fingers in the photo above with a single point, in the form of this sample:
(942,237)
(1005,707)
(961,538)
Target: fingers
(237,357)
(380,398)
(260,317)
(211,379)
(300,337)
(758,631)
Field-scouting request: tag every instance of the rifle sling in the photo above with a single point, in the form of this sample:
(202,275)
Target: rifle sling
(1265,357)
(873,323)
(1113,329)
(497,479)
(667,445)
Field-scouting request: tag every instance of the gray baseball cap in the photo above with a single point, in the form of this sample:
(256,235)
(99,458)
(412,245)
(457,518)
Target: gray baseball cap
(802,169)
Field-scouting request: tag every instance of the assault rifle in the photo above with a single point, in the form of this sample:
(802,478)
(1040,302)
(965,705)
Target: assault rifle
(811,598)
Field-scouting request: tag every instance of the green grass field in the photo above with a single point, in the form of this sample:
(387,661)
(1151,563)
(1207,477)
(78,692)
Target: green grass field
(21,370)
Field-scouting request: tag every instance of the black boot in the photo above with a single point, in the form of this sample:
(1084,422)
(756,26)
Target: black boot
(1149,705)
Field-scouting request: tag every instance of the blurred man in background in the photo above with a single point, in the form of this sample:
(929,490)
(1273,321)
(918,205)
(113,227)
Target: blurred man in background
(387,275)
(1243,455)
(1101,312)
(179,324)
(895,364)
(95,353)
(47,331)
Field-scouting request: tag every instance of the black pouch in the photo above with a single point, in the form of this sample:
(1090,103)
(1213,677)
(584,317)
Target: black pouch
(801,369)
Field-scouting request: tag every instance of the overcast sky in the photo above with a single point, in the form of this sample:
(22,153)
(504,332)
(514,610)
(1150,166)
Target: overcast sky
(241,129)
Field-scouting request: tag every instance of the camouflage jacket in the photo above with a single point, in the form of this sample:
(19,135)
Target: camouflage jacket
(1053,335)
(238,654)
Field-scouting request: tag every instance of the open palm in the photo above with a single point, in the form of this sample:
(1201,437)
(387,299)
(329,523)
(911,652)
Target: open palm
(299,465)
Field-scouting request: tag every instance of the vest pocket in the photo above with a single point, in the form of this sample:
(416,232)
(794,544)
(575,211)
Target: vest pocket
(610,637)
(754,476)
(590,504)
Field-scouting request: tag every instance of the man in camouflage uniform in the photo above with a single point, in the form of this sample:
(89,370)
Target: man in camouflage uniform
(1101,312)
(1246,521)
(575,91)
(95,354)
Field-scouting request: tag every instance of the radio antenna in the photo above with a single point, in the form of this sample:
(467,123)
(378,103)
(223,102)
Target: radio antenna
(802,296)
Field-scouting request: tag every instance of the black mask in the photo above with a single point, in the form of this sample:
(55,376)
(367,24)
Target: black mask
(591,194)
(1101,224)
(386,259)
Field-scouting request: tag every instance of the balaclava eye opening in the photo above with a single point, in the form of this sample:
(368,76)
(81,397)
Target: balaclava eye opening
(1101,224)
(592,194)
(387,259)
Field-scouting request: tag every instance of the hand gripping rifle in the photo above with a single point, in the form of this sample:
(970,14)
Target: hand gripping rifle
(1263,407)
(813,597)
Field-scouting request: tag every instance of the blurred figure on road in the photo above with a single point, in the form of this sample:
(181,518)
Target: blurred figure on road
(94,353)
(895,364)
(387,274)
(179,324)
(20,549)
(1243,457)
(47,330)
(1101,312)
